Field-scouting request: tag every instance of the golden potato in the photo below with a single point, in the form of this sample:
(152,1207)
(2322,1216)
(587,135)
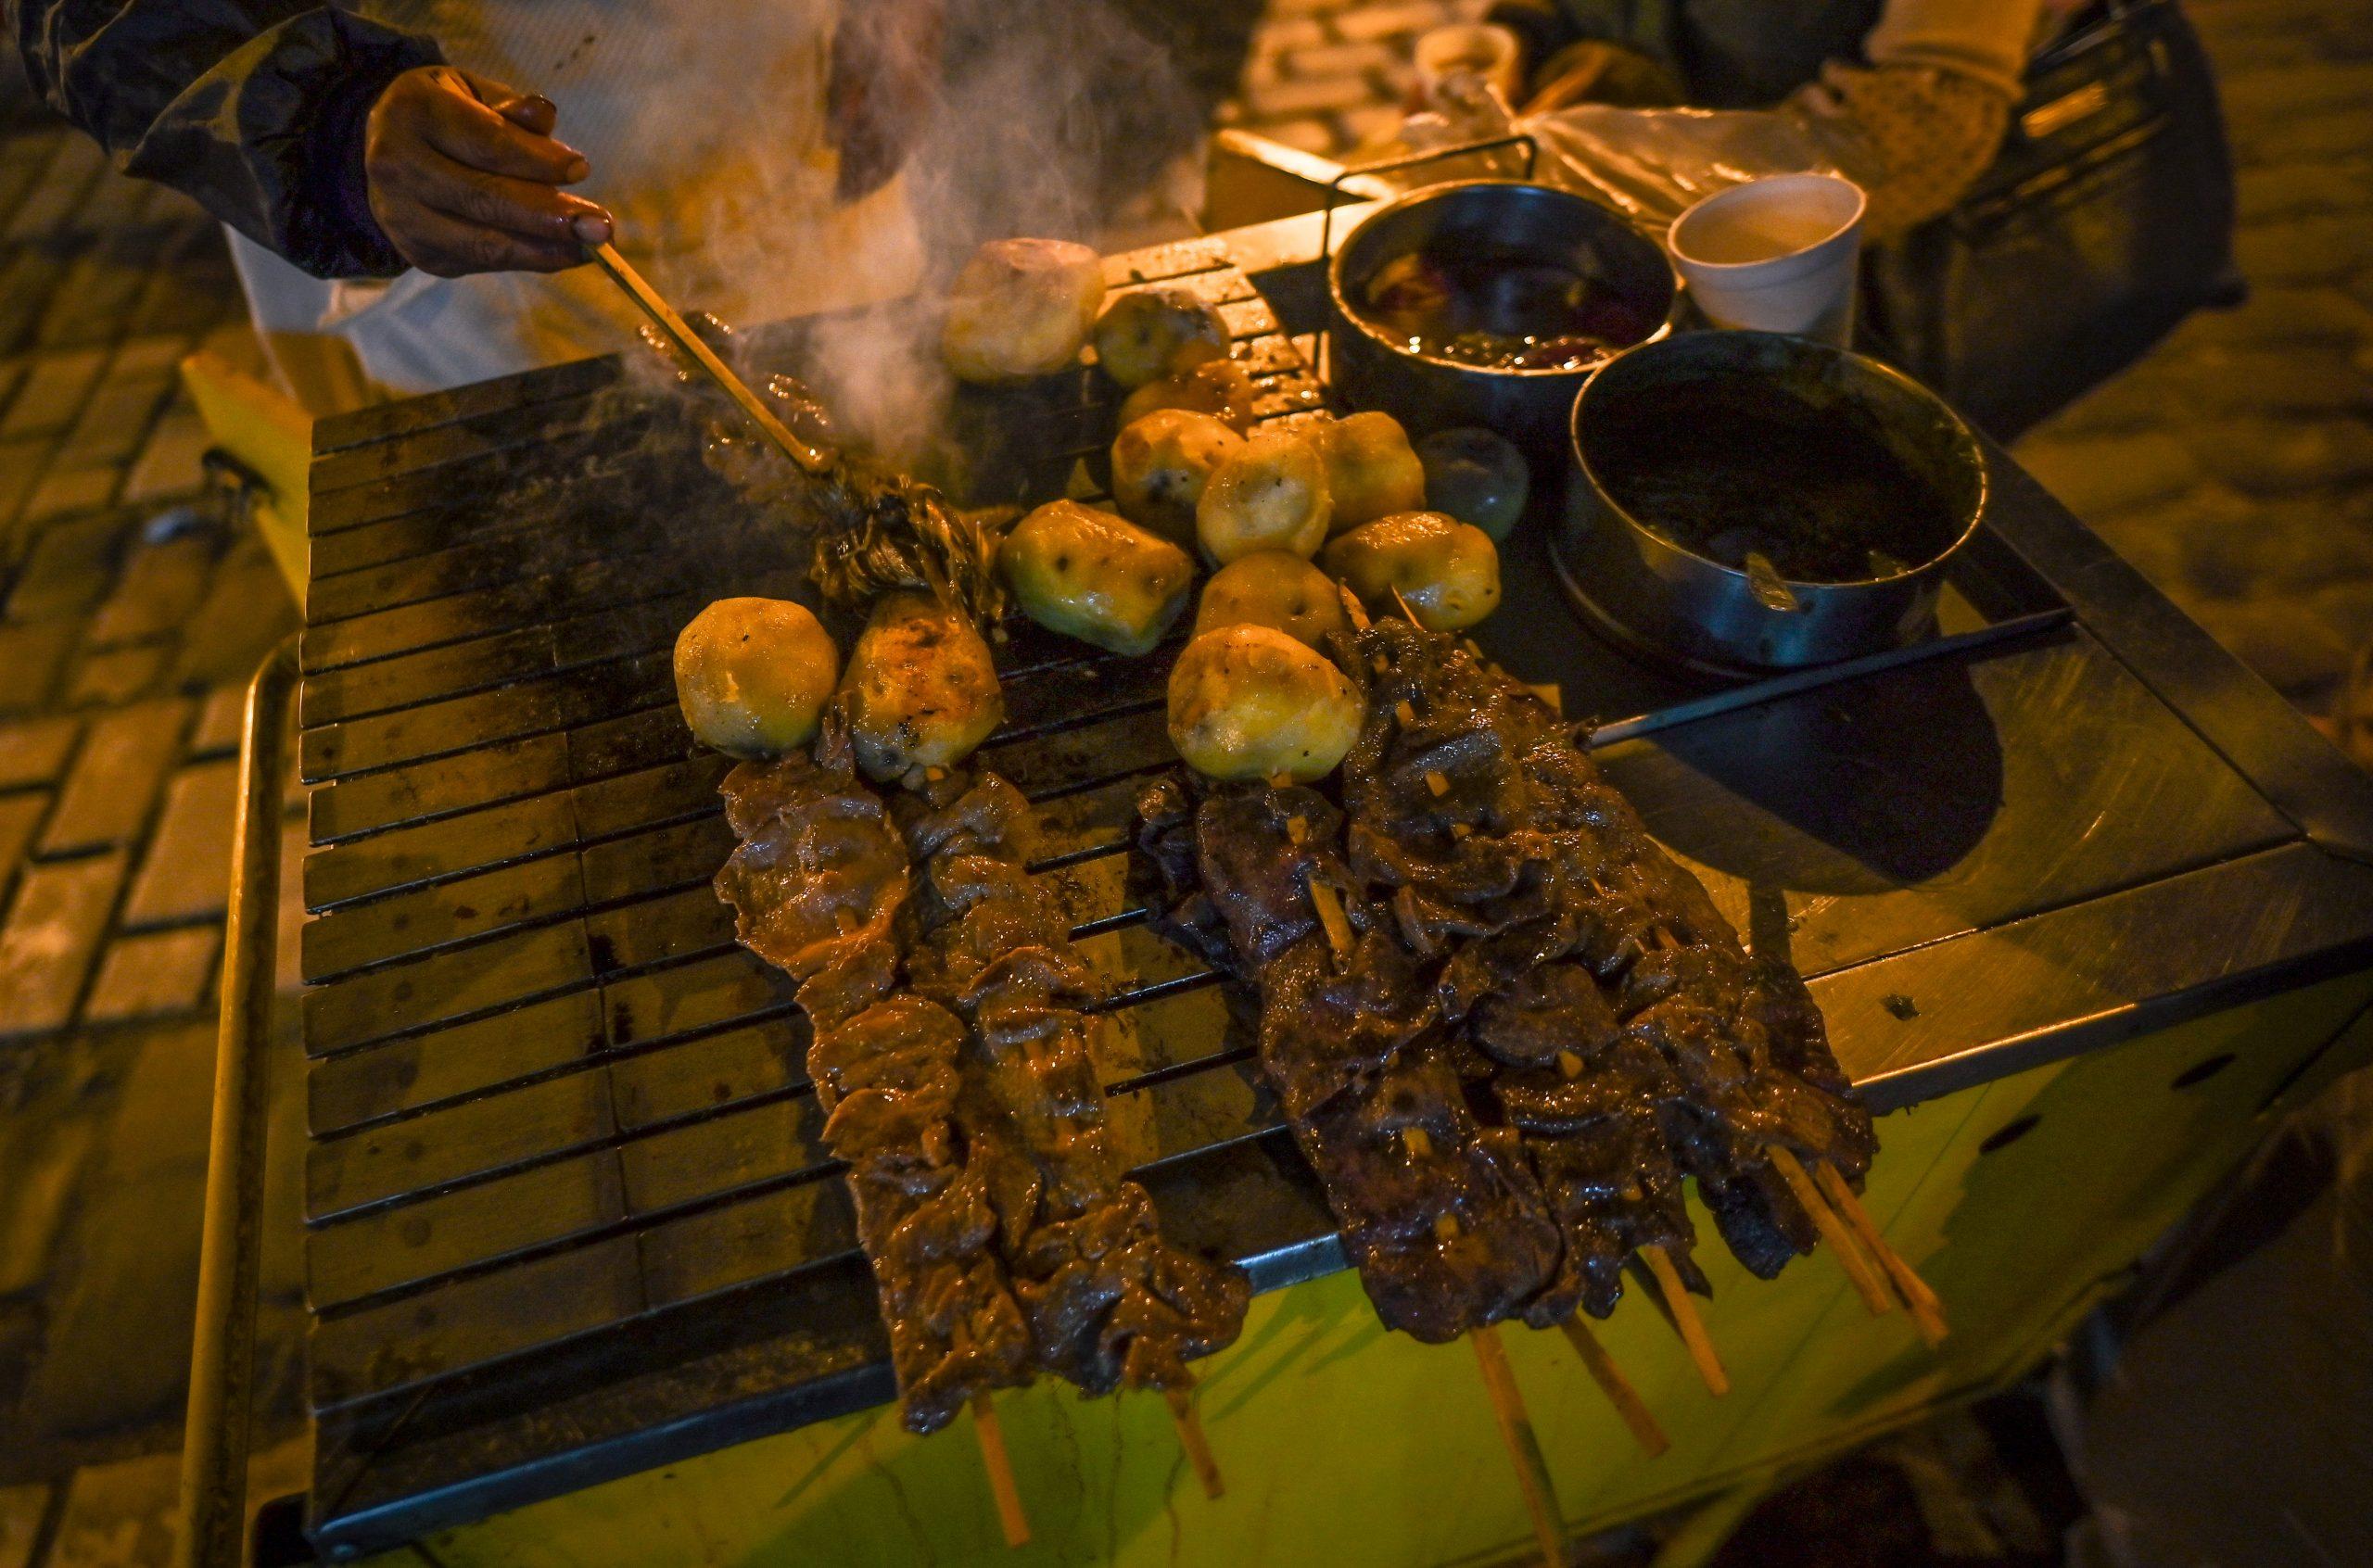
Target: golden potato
(1268,494)
(753,676)
(1092,576)
(920,688)
(1020,308)
(1371,472)
(1476,477)
(1159,465)
(1220,388)
(1151,333)
(1447,571)
(1275,588)
(1250,703)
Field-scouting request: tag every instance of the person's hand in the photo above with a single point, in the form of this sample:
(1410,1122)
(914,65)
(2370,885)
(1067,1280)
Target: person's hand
(463,175)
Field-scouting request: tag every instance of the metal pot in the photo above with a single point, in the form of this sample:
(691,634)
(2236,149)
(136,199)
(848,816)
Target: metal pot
(1370,368)
(1642,583)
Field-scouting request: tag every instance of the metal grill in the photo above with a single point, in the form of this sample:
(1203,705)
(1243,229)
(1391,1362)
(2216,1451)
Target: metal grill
(569,1213)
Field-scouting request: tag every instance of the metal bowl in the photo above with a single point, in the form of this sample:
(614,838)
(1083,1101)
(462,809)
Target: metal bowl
(1498,218)
(1641,582)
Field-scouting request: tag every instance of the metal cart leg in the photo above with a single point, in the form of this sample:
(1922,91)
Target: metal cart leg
(214,1442)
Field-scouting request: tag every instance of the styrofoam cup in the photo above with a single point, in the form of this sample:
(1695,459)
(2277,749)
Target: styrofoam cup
(1775,255)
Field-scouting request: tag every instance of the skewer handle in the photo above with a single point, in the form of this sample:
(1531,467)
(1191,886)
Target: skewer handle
(687,342)
(1685,1321)
(1833,1230)
(1515,1430)
(1616,1387)
(1190,1438)
(999,1465)
(1927,1308)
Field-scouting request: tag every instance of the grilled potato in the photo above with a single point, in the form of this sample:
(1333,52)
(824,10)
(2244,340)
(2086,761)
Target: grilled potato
(1274,589)
(1020,308)
(1092,576)
(1371,472)
(1151,333)
(1219,387)
(1249,701)
(753,676)
(1447,571)
(921,689)
(1476,477)
(1268,494)
(1161,464)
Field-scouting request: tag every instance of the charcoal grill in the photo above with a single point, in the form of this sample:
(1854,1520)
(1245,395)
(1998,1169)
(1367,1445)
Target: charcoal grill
(583,1284)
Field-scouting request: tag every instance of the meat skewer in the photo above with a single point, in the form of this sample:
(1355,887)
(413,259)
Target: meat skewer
(819,884)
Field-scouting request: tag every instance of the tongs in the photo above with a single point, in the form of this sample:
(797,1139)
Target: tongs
(814,459)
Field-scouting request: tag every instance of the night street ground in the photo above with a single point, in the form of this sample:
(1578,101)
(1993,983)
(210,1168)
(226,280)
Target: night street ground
(2235,467)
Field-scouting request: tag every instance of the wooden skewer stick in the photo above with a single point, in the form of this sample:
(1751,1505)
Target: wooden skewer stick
(1616,1387)
(1516,1429)
(1190,1438)
(1329,905)
(994,1457)
(1833,1230)
(1685,1321)
(1927,1308)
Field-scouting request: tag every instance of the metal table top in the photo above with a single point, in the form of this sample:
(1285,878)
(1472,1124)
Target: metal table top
(568,1212)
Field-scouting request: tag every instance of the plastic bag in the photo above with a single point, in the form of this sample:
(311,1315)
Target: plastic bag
(1651,165)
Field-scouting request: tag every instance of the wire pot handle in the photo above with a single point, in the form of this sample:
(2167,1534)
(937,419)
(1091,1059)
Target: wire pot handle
(1411,160)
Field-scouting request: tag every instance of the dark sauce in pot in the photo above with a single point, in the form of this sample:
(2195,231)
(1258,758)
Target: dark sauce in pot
(1502,313)
(1730,469)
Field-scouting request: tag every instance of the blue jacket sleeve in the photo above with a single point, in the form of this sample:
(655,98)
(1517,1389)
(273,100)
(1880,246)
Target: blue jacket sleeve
(254,108)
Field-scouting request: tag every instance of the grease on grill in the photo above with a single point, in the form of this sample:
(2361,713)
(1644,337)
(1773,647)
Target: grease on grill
(1736,469)
(1503,312)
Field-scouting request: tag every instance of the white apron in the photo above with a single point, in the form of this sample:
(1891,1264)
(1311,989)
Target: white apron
(705,123)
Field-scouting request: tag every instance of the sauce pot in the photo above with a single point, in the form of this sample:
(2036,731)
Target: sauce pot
(1486,223)
(1654,580)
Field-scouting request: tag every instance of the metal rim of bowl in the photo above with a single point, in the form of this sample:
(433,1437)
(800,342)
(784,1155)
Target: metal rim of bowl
(1885,372)
(1345,311)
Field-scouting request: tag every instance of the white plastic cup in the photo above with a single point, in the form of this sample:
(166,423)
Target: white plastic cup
(1775,255)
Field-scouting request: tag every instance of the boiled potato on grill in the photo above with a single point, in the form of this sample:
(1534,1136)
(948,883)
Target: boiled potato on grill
(1095,576)
(1220,388)
(1476,476)
(1274,589)
(1447,572)
(921,689)
(1249,701)
(753,676)
(1020,308)
(1161,464)
(1371,470)
(1145,335)
(1268,494)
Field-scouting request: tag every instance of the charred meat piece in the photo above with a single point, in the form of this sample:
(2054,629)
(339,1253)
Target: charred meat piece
(1108,1302)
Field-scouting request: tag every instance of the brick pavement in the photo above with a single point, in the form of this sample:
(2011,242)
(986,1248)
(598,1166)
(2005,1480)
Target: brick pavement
(2236,466)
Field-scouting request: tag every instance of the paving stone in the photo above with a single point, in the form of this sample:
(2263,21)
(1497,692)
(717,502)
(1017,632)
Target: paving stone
(2288,190)
(2274,456)
(21,1509)
(2298,655)
(44,1163)
(21,465)
(68,568)
(54,923)
(117,419)
(114,781)
(2105,475)
(111,678)
(30,657)
(1296,96)
(75,165)
(1310,135)
(1281,34)
(162,586)
(1368,23)
(246,610)
(2314,248)
(155,973)
(121,1515)
(66,490)
(221,722)
(168,462)
(52,392)
(20,817)
(34,750)
(187,875)
(1341,59)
